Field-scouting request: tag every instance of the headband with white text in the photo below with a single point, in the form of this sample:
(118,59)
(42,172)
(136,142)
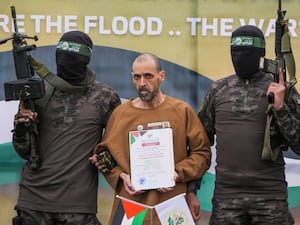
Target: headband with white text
(74,48)
(247,41)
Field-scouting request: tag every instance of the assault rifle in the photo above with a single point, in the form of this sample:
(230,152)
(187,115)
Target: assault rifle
(283,50)
(26,87)
(284,56)
(274,142)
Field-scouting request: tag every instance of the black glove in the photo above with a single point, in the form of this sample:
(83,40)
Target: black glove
(21,138)
(19,128)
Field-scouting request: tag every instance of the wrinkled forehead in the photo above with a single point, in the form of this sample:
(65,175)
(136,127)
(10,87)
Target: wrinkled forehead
(146,65)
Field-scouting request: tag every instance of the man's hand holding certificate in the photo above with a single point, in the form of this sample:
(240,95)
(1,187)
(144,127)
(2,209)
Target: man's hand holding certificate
(152,158)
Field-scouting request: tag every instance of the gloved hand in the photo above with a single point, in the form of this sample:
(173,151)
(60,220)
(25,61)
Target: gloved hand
(21,138)
(105,160)
(39,67)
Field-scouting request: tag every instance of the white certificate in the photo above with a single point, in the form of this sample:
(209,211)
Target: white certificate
(151,158)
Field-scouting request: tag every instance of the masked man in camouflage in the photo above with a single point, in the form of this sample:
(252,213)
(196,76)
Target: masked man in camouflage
(249,189)
(70,120)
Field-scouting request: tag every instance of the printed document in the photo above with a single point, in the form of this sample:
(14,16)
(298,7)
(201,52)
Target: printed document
(152,158)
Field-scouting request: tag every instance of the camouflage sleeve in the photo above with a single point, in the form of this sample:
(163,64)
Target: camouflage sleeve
(110,100)
(288,120)
(194,185)
(206,115)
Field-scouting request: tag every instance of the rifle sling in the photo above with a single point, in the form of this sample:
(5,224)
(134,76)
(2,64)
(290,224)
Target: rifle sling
(268,153)
(63,85)
(287,53)
(59,83)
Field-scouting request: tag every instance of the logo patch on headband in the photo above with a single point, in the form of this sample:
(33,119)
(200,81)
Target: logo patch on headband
(247,41)
(74,47)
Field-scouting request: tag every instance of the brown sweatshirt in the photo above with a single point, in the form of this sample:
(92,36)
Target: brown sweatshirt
(187,132)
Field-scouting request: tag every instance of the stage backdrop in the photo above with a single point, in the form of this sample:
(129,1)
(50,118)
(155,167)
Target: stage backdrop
(191,37)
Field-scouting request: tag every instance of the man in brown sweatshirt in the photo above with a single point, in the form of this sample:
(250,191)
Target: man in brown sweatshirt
(154,106)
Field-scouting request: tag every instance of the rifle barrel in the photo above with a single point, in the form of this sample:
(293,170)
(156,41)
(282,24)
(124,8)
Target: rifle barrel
(14,16)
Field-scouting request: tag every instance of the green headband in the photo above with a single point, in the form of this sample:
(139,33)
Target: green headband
(74,47)
(247,41)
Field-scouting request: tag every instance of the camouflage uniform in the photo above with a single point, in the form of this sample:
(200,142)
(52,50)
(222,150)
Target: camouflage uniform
(31,217)
(259,211)
(66,184)
(234,110)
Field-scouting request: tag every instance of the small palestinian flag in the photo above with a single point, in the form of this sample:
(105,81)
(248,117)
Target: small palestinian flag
(130,212)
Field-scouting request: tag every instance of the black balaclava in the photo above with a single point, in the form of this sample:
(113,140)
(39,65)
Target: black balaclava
(247,46)
(73,55)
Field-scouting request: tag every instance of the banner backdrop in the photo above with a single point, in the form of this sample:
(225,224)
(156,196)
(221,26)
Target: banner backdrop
(190,36)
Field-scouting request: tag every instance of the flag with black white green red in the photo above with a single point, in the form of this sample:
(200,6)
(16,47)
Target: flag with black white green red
(130,212)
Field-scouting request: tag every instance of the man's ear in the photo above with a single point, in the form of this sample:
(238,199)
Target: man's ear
(162,76)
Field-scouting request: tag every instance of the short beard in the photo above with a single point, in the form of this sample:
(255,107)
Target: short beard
(148,96)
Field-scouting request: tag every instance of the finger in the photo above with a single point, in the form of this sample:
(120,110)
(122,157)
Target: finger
(104,170)
(23,119)
(139,192)
(193,214)
(196,217)
(91,160)
(35,115)
(94,158)
(197,211)
(27,113)
(175,176)
(281,78)
(160,190)
(21,104)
